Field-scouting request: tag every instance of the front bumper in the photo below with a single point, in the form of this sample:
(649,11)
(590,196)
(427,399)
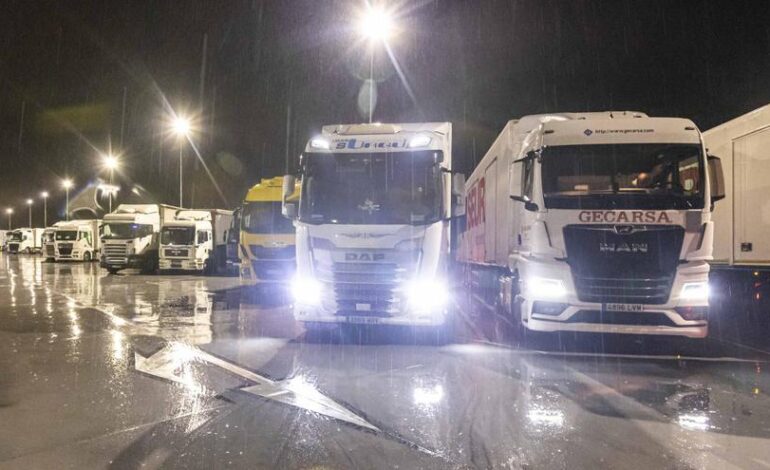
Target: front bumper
(178,264)
(578,316)
(258,271)
(308,313)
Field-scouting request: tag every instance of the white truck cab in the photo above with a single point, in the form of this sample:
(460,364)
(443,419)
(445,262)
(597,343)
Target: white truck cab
(25,240)
(77,240)
(595,222)
(372,225)
(195,240)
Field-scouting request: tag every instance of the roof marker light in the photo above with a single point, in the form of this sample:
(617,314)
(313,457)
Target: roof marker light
(319,143)
(419,141)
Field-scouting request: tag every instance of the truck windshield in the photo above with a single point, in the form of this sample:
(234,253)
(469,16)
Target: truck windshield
(624,176)
(15,237)
(372,188)
(66,235)
(124,230)
(48,236)
(264,217)
(177,236)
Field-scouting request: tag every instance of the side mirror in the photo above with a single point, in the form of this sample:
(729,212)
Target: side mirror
(528,205)
(717,177)
(289,181)
(458,184)
(289,210)
(458,195)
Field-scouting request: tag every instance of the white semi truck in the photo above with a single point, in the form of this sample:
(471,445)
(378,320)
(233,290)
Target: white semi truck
(595,222)
(196,240)
(77,240)
(373,238)
(25,240)
(49,246)
(130,236)
(742,222)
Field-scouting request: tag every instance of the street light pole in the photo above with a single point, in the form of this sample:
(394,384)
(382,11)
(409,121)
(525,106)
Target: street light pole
(181,127)
(29,203)
(181,150)
(9,211)
(44,195)
(67,185)
(376,25)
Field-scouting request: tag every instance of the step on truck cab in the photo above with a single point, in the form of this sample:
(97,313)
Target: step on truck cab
(77,240)
(25,240)
(267,248)
(596,222)
(373,232)
(196,241)
(130,236)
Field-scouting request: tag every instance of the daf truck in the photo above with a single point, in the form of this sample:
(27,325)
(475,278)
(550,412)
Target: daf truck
(373,225)
(196,241)
(130,236)
(25,240)
(267,251)
(595,222)
(77,240)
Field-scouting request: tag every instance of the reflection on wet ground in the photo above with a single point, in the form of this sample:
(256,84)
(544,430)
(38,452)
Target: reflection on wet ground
(183,371)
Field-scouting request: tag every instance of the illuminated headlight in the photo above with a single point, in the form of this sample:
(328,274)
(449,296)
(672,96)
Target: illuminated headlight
(695,291)
(419,141)
(427,295)
(306,290)
(543,288)
(319,143)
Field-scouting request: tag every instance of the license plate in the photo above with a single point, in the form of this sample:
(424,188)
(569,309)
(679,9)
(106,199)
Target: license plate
(624,307)
(364,307)
(176,264)
(364,320)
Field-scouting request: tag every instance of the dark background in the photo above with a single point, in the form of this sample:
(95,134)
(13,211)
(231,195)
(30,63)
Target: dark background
(475,63)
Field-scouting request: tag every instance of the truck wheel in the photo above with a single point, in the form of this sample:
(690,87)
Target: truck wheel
(87,256)
(27,251)
(112,270)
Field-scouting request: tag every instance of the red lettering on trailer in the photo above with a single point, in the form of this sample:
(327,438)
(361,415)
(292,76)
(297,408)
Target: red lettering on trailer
(475,204)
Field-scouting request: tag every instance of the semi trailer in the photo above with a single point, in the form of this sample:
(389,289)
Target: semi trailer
(372,225)
(196,241)
(595,222)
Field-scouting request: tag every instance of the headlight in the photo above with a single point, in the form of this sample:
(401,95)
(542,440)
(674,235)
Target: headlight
(306,290)
(547,288)
(695,291)
(427,295)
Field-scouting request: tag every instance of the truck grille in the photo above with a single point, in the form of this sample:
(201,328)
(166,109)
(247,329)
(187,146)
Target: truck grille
(176,252)
(65,249)
(13,247)
(623,264)
(116,254)
(364,288)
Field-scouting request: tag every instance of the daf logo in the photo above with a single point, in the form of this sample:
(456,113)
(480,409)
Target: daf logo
(364,256)
(624,229)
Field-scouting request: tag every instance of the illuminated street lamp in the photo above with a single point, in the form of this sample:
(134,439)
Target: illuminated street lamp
(9,211)
(29,204)
(111,163)
(181,127)
(67,185)
(44,195)
(375,25)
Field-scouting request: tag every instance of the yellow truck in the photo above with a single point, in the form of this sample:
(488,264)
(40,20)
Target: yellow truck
(267,252)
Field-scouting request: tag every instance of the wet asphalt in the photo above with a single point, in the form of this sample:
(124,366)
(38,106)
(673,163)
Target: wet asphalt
(133,371)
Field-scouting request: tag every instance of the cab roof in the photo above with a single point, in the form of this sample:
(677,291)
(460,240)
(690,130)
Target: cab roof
(268,190)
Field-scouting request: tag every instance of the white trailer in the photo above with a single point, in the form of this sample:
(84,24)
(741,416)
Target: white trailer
(78,240)
(595,222)
(26,240)
(3,234)
(372,225)
(130,236)
(742,223)
(196,240)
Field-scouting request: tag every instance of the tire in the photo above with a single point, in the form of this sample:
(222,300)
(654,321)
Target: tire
(87,257)
(27,251)
(112,270)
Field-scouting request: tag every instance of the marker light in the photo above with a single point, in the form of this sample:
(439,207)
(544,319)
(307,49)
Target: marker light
(319,143)
(419,141)
(547,288)
(306,291)
(695,291)
(427,295)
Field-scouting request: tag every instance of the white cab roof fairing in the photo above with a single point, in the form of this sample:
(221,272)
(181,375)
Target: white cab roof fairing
(191,216)
(620,131)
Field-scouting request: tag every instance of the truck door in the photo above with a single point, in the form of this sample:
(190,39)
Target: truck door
(751,160)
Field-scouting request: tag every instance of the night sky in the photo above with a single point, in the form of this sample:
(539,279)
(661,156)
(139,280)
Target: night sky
(68,65)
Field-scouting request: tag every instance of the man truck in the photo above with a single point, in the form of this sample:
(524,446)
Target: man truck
(77,240)
(267,249)
(25,240)
(372,225)
(595,222)
(130,236)
(196,241)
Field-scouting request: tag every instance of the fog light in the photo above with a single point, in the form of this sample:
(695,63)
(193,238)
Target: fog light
(695,291)
(547,288)
(306,290)
(427,295)
(548,308)
(693,313)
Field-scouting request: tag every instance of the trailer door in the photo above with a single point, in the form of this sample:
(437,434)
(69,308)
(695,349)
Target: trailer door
(751,160)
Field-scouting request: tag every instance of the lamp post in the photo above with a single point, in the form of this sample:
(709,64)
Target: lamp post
(9,211)
(44,195)
(181,128)
(67,184)
(111,163)
(29,204)
(376,25)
